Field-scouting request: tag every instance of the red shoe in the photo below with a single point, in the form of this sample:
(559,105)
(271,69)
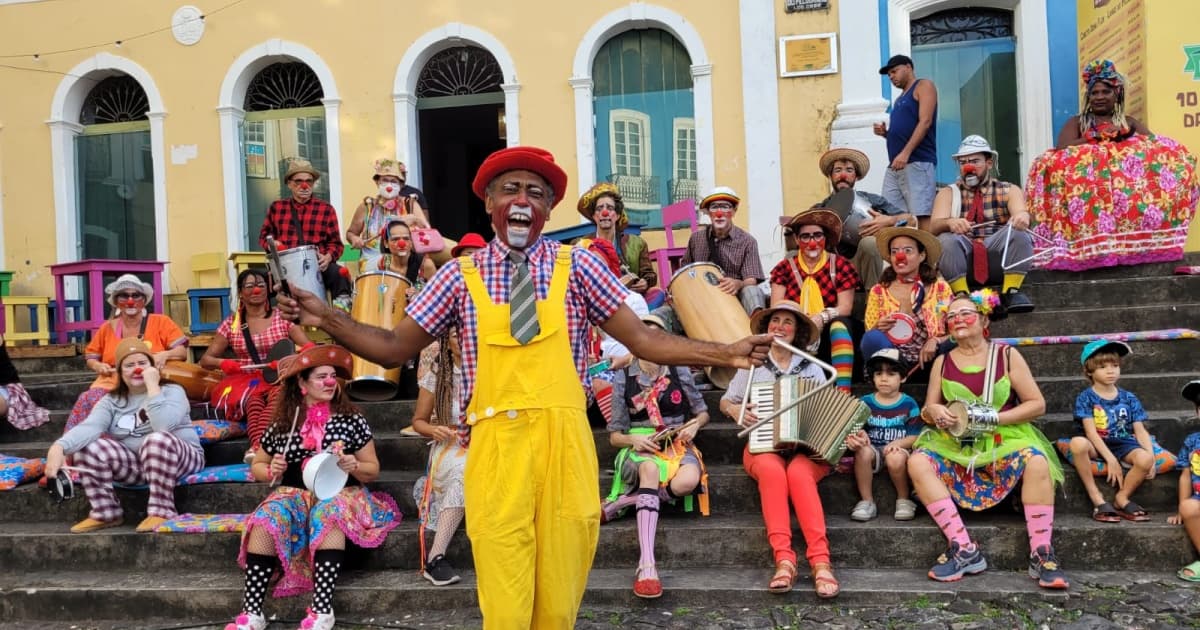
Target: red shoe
(647,588)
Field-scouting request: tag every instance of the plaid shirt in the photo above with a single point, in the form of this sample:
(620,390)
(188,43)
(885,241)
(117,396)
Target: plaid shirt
(593,295)
(738,251)
(993,206)
(278,330)
(847,279)
(317,218)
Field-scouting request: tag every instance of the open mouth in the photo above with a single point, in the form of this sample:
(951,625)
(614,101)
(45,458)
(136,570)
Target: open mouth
(520,218)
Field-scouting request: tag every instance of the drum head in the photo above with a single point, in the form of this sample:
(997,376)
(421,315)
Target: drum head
(902,330)
(282,348)
(961,416)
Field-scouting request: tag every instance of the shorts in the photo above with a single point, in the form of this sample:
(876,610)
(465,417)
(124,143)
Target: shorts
(912,189)
(846,464)
(1121,447)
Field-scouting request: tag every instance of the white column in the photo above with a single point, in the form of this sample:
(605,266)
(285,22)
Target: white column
(861,105)
(512,115)
(408,148)
(333,140)
(158,159)
(1033,86)
(706,175)
(62,164)
(231,172)
(760,108)
(585,126)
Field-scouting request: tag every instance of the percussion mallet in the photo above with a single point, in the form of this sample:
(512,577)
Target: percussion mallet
(288,448)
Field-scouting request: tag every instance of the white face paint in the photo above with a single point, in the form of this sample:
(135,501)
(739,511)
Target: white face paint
(520,219)
(389,190)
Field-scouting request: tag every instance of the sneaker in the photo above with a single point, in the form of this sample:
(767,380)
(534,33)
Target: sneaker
(957,562)
(246,621)
(439,572)
(1016,302)
(1043,567)
(343,303)
(864,511)
(317,622)
(906,510)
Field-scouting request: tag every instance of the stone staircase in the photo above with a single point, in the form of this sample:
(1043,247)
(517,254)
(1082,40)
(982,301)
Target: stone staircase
(47,573)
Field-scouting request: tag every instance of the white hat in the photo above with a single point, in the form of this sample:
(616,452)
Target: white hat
(720,193)
(975,144)
(127,281)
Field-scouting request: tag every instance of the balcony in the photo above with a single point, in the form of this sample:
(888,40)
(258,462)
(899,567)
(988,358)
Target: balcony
(683,189)
(637,190)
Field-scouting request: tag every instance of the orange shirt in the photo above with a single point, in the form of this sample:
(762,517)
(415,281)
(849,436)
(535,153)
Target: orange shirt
(162,333)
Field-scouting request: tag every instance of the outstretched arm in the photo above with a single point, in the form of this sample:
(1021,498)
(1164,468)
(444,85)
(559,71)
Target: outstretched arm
(657,346)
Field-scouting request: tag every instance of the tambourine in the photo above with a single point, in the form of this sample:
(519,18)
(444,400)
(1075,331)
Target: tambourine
(902,330)
(972,419)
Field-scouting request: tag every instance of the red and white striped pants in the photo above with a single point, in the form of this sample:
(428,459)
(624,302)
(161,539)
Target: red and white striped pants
(161,461)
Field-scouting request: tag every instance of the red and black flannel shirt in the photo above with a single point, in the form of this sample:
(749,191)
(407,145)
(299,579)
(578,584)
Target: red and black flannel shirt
(317,219)
(847,279)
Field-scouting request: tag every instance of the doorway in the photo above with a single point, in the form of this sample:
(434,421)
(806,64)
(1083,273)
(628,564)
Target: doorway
(455,140)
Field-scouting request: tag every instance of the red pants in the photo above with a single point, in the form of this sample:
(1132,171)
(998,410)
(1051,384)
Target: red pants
(777,480)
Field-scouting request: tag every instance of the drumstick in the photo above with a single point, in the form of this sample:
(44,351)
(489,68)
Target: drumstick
(746,396)
(288,447)
(984,224)
(259,366)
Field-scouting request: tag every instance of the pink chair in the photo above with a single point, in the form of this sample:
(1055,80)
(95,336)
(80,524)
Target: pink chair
(666,259)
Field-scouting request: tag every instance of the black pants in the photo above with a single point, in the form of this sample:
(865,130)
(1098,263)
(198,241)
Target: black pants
(337,284)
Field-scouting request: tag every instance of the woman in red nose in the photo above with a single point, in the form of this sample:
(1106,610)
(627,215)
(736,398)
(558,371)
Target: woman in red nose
(249,332)
(399,257)
(375,212)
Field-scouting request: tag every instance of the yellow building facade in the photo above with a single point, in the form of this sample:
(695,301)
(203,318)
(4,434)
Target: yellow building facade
(198,145)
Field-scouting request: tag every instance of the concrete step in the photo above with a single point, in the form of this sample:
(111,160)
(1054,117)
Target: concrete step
(205,596)
(1148,357)
(682,541)
(1086,320)
(1113,292)
(1110,273)
(50,365)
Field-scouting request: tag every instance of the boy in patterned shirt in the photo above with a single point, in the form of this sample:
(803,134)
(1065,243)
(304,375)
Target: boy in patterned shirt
(1189,487)
(1111,429)
(891,430)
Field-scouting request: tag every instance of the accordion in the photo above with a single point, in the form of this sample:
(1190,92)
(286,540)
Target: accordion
(818,425)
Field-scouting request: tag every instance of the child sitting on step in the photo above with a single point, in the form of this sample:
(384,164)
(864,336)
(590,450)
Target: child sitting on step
(894,425)
(1112,429)
(1189,487)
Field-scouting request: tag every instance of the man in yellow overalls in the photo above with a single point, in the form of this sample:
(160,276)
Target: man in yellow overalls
(523,306)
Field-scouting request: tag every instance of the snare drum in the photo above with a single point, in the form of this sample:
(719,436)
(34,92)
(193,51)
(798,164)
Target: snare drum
(197,382)
(972,419)
(902,330)
(708,313)
(379,300)
(301,268)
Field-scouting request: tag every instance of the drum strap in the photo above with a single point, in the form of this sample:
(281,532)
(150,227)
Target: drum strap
(249,338)
(989,374)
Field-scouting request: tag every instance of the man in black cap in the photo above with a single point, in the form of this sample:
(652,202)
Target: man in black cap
(910,180)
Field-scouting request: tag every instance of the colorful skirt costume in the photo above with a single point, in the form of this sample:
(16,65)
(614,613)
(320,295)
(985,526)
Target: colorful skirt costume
(674,456)
(1123,202)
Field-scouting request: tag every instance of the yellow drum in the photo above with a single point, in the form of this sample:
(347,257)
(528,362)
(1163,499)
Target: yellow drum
(379,300)
(196,381)
(708,313)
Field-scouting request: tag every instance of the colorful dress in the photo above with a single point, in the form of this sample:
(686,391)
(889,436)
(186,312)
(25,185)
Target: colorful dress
(379,212)
(1106,203)
(298,521)
(243,396)
(981,473)
(881,303)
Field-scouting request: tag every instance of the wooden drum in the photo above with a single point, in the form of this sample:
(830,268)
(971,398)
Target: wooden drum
(708,313)
(379,300)
(198,382)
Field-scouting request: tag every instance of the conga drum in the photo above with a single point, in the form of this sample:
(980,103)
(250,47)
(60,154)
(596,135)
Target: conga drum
(379,300)
(196,381)
(708,313)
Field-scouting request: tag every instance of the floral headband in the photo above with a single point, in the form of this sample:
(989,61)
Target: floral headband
(1102,70)
(986,301)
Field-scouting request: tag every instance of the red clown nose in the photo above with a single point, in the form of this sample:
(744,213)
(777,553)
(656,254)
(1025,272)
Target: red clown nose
(137,371)
(900,257)
(256,291)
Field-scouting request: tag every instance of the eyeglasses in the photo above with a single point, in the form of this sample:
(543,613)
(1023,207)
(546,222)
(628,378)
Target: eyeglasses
(255,285)
(967,314)
(973,161)
(301,182)
(908,251)
(720,205)
(130,296)
(811,236)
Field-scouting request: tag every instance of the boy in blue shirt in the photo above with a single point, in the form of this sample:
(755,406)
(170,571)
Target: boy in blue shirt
(1112,429)
(891,430)
(1189,487)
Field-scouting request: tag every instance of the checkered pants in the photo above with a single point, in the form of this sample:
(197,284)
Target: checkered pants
(161,461)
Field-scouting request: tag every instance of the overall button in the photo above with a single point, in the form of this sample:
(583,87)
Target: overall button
(489,412)
(471,417)
(512,413)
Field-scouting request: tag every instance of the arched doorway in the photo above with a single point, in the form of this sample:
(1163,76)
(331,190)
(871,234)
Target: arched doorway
(970,54)
(115,172)
(645,130)
(285,119)
(461,117)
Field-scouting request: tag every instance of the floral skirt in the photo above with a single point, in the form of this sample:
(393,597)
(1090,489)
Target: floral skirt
(985,485)
(1114,203)
(447,461)
(298,522)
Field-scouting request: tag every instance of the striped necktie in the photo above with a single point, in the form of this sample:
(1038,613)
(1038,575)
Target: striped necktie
(522,303)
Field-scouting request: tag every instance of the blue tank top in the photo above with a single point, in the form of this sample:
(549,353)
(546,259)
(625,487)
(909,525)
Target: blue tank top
(905,114)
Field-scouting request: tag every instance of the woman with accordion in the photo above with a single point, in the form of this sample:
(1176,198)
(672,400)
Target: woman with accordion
(784,475)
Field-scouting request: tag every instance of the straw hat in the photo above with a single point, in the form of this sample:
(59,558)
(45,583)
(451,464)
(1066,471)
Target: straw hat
(127,281)
(298,165)
(826,219)
(389,167)
(316,356)
(933,247)
(861,163)
(720,193)
(806,330)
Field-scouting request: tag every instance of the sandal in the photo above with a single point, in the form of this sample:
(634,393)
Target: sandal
(1106,513)
(1133,512)
(784,578)
(1193,569)
(820,581)
(647,588)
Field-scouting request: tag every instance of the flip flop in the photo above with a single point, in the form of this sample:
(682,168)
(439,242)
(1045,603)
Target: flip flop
(1195,570)
(1133,512)
(1106,513)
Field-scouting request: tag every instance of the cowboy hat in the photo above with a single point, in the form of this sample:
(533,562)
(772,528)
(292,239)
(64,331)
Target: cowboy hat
(532,159)
(389,167)
(861,163)
(298,165)
(470,239)
(933,247)
(806,330)
(316,356)
(974,144)
(720,193)
(587,202)
(127,281)
(826,219)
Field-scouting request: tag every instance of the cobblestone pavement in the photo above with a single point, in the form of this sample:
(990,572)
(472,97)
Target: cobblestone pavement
(1150,606)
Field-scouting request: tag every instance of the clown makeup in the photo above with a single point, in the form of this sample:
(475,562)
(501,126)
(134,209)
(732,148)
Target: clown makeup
(961,319)
(782,326)
(132,368)
(301,186)
(843,175)
(321,384)
(906,255)
(130,302)
(519,207)
(399,239)
(389,187)
(721,213)
(974,169)
(811,239)
(606,212)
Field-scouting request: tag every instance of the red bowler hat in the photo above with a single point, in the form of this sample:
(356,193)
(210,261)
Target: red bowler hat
(533,159)
(470,239)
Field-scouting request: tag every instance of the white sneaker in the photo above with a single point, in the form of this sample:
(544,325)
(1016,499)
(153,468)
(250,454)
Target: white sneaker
(246,621)
(317,622)
(863,511)
(906,510)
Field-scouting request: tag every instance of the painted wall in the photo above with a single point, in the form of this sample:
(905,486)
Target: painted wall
(1064,61)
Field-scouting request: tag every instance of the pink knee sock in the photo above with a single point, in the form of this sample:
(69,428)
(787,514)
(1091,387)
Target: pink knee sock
(1039,522)
(945,514)
(647,523)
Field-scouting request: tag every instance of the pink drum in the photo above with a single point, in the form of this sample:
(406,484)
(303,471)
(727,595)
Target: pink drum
(903,330)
